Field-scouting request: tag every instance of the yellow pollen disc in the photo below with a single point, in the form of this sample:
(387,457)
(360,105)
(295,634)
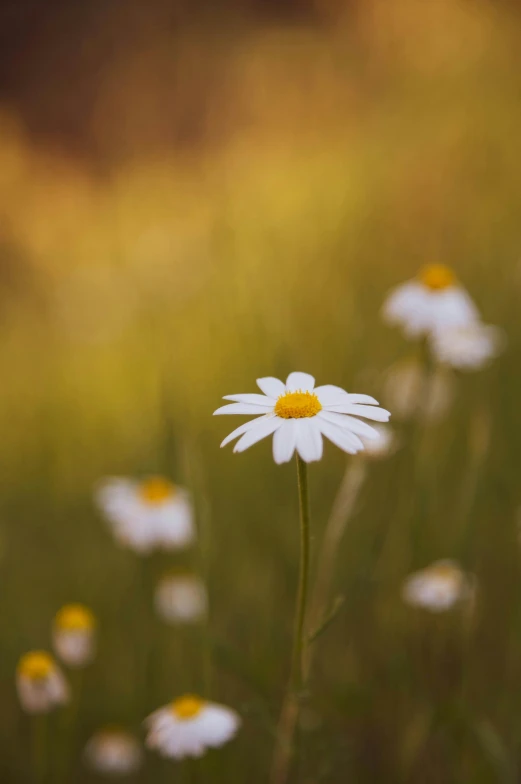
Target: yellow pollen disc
(187,707)
(36,665)
(156,490)
(295,405)
(437,277)
(445,571)
(75,617)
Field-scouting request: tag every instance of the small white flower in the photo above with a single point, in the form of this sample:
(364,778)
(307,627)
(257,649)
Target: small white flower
(433,300)
(147,515)
(189,726)
(181,598)
(73,635)
(383,446)
(40,683)
(469,347)
(114,752)
(298,414)
(438,587)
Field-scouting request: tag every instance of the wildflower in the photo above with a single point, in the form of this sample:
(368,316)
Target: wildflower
(40,683)
(383,446)
(147,515)
(431,301)
(181,598)
(469,347)
(74,635)
(298,414)
(189,726)
(113,751)
(438,587)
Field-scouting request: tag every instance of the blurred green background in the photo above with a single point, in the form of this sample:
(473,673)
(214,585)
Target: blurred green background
(195,196)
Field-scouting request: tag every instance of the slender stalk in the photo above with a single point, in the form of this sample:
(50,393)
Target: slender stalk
(39,748)
(290,708)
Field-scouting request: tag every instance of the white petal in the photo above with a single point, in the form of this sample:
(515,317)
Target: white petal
(367,399)
(285,441)
(350,423)
(272,387)
(244,408)
(257,400)
(329,394)
(302,381)
(265,426)
(345,440)
(309,440)
(369,412)
(239,431)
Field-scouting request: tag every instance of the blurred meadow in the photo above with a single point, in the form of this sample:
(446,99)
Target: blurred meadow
(193,197)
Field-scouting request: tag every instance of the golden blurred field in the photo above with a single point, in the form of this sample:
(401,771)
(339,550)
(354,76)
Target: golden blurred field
(254,192)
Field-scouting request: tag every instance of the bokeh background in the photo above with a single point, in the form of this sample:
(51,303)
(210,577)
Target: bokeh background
(193,195)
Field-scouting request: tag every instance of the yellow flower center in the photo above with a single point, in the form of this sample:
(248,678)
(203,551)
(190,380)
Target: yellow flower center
(445,572)
(437,277)
(75,617)
(295,405)
(36,665)
(156,490)
(187,707)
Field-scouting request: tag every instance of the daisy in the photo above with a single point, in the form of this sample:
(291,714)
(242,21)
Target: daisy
(147,515)
(113,751)
(73,635)
(438,587)
(469,347)
(189,726)
(181,598)
(432,300)
(40,683)
(298,414)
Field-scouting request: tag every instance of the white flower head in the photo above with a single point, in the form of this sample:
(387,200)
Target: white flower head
(40,683)
(181,598)
(468,347)
(73,635)
(189,726)
(114,752)
(383,446)
(147,515)
(431,301)
(438,587)
(298,414)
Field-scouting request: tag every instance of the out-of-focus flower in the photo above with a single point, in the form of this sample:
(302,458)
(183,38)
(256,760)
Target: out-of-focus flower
(383,446)
(411,391)
(181,598)
(73,635)
(113,751)
(469,347)
(431,301)
(438,587)
(40,683)
(298,414)
(189,726)
(147,515)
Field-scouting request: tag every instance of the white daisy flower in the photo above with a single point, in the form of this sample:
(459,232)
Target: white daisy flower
(189,726)
(147,515)
(383,446)
(469,347)
(73,635)
(433,300)
(298,414)
(40,683)
(114,752)
(438,587)
(181,598)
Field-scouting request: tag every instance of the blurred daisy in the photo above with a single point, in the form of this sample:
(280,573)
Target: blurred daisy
(189,726)
(113,751)
(383,446)
(73,635)
(147,515)
(469,347)
(438,587)
(40,683)
(298,414)
(181,598)
(432,300)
